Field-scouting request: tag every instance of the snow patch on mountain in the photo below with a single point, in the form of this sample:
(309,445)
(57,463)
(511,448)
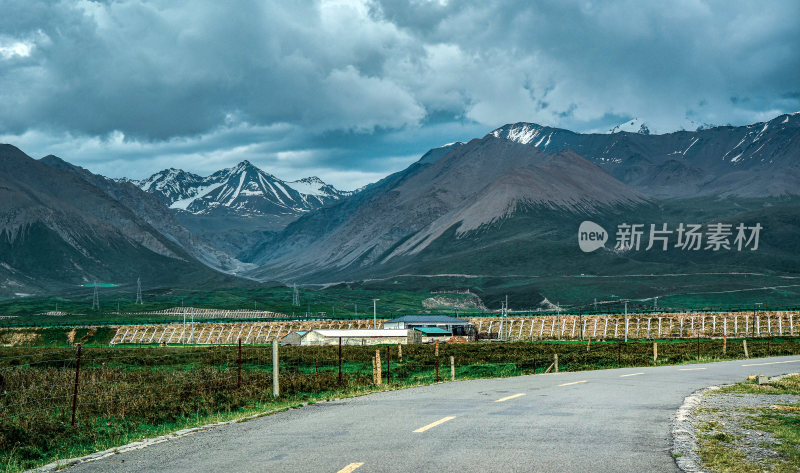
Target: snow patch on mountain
(632,126)
(310,186)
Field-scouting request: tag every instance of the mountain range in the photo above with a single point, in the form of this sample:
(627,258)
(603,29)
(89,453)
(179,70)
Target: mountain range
(62,227)
(243,190)
(506,204)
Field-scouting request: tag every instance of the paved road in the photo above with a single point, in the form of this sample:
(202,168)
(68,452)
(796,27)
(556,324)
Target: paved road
(599,421)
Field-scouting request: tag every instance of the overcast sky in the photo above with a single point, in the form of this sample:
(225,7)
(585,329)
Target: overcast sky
(351,91)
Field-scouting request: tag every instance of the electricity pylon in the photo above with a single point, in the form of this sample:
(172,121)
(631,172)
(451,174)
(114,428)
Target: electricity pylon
(139,290)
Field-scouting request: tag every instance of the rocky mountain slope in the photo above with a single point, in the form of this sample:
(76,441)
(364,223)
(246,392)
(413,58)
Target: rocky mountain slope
(749,161)
(468,188)
(58,230)
(518,194)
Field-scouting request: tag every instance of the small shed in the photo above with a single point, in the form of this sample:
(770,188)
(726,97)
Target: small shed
(293,338)
(427,334)
(348,337)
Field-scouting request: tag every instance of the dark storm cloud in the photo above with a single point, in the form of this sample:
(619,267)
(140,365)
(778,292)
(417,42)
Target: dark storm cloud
(353,90)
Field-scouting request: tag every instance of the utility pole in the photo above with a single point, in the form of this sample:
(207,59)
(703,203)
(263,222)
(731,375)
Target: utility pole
(139,290)
(374,313)
(502,318)
(754,319)
(560,322)
(626,321)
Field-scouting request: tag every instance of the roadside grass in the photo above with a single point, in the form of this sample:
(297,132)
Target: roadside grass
(130,393)
(718,449)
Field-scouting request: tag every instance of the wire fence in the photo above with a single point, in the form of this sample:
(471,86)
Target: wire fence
(50,398)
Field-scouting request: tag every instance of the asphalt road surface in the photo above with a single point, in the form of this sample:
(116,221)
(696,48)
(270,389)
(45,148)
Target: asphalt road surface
(599,421)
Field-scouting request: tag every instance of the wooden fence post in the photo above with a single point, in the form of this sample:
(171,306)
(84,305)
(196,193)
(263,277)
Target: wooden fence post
(588,344)
(452,368)
(724,346)
(378,374)
(655,353)
(400,352)
(744,344)
(555,362)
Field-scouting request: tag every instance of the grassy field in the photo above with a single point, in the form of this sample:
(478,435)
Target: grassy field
(402,295)
(127,393)
(721,449)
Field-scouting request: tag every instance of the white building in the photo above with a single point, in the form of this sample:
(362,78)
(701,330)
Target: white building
(348,337)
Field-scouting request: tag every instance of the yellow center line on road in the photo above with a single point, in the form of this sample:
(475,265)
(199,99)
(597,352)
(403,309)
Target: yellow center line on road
(350,467)
(632,374)
(434,424)
(690,369)
(510,397)
(773,363)
(574,382)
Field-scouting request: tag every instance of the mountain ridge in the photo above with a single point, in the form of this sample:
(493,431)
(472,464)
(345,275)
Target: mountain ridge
(242,190)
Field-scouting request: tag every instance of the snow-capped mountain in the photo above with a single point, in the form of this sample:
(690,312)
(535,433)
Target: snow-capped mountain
(243,190)
(753,160)
(637,125)
(632,126)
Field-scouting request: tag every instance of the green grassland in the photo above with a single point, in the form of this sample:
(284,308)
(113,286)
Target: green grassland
(404,295)
(718,447)
(128,393)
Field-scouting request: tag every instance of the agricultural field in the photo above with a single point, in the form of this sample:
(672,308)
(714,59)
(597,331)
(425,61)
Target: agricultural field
(403,295)
(128,393)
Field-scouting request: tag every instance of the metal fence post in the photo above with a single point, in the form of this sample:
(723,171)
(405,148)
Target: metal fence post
(276,388)
(388,364)
(698,345)
(77,377)
(340,360)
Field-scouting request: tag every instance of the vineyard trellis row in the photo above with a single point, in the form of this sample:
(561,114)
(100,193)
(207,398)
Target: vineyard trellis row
(252,333)
(567,327)
(572,327)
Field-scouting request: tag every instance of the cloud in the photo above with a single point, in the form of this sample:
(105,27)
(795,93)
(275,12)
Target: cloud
(361,87)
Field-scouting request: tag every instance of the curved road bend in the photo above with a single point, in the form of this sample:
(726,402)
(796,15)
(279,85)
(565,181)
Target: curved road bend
(600,421)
